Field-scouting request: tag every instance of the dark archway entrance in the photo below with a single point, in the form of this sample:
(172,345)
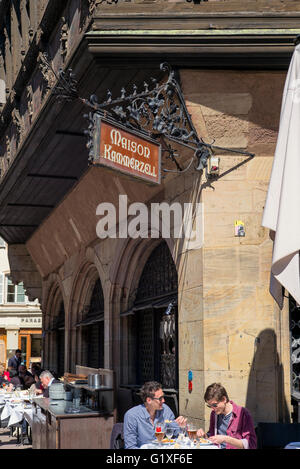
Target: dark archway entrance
(155,310)
(93,330)
(60,340)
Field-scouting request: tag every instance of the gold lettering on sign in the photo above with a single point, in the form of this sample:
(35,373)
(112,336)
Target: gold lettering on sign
(129,153)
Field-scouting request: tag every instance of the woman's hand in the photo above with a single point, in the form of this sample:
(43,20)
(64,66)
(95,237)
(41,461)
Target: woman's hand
(218,439)
(201,433)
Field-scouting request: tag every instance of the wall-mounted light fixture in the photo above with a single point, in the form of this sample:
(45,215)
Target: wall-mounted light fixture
(239,228)
(213,168)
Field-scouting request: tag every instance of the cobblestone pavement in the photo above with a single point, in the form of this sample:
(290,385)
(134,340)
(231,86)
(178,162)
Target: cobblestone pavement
(10,442)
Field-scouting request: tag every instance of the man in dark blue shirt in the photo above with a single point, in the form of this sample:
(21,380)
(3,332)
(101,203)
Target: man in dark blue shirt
(15,362)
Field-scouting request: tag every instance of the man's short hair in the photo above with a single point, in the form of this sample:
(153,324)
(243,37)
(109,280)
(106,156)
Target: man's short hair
(18,351)
(46,374)
(215,391)
(149,389)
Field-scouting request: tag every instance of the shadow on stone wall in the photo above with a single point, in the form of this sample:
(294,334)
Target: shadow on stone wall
(265,395)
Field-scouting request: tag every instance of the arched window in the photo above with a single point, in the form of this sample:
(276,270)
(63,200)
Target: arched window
(59,326)
(93,330)
(155,311)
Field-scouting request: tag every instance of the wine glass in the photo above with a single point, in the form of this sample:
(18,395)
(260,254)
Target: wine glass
(169,431)
(159,432)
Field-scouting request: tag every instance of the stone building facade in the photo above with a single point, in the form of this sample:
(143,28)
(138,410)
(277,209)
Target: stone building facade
(106,303)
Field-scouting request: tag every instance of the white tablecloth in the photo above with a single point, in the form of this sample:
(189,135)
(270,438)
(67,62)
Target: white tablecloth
(183,445)
(15,412)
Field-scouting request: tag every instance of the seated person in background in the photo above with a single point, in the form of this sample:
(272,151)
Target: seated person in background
(37,383)
(231,426)
(2,378)
(15,379)
(140,421)
(2,370)
(46,379)
(25,376)
(35,367)
(4,374)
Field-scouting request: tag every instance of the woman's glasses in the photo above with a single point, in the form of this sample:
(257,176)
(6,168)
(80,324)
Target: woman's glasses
(212,405)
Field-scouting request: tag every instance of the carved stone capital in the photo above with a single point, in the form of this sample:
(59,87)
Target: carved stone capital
(93,4)
(19,124)
(47,74)
(29,96)
(8,149)
(64,38)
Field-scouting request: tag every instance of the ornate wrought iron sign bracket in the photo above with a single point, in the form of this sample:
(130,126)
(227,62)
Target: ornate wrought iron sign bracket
(158,111)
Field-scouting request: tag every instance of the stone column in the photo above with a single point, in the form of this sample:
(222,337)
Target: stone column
(12,341)
(190,334)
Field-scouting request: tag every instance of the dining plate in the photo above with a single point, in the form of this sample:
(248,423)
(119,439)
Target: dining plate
(205,442)
(164,442)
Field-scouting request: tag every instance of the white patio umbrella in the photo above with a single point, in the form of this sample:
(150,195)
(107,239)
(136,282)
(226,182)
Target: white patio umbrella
(282,208)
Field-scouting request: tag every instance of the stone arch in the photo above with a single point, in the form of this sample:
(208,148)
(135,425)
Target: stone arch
(85,277)
(132,256)
(54,326)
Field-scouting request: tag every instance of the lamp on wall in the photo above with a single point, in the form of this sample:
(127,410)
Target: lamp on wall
(169,308)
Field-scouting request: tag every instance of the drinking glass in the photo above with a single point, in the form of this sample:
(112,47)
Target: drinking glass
(169,431)
(182,432)
(159,432)
(192,432)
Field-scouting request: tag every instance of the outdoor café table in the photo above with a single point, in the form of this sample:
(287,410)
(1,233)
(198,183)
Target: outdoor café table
(183,444)
(15,412)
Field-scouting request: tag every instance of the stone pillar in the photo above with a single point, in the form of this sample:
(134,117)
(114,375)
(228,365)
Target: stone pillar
(190,334)
(12,337)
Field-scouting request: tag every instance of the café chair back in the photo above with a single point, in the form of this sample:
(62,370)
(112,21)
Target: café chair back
(117,437)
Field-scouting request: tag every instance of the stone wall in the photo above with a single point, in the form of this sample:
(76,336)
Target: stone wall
(241,330)
(230,330)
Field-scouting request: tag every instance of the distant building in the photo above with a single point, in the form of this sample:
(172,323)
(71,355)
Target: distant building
(20,319)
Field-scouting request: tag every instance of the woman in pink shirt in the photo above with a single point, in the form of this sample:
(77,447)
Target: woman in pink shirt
(231,426)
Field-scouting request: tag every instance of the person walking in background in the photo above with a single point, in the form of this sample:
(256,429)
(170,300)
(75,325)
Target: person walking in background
(15,361)
(231,426)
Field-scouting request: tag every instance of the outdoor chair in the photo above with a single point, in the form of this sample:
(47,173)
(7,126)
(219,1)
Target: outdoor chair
(18,428)
(276,435)
(117,437)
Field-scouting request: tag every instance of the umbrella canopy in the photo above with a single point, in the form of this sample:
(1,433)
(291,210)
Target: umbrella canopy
(282,208)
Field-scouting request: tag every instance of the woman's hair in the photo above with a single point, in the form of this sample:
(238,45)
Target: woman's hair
(2,369)
(149,389)
(215,391)
(37,374)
